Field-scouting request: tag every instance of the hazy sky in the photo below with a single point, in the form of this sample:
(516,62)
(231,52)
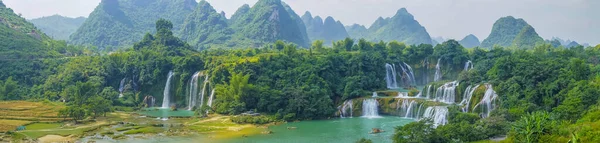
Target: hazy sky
(568,19)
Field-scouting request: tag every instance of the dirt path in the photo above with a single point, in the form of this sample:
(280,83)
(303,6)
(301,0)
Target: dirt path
(55,138)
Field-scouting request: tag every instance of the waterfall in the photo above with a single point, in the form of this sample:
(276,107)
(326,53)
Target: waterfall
(346,109)
(149,100)
(467,97)
(166,94)
(193,95)
(204,87)
(370,108)
(437,114)
(468,65)
(438,71)
(425,74)
(409,107)
(390,77)
(447,92)
(487,103)
(210,99)
(375,95)
(411,75)
(122,87)
(429,91)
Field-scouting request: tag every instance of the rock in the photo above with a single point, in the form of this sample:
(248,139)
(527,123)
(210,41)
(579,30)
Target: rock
(376,131)
(267,132)
(291,128)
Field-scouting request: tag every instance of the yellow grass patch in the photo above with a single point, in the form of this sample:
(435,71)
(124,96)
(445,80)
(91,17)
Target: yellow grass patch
(11,125)
(30,111)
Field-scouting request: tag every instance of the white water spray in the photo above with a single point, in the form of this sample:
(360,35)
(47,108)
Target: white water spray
(166,94)
(438,71)
(370,108)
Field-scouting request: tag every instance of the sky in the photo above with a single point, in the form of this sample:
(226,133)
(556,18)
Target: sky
(577,20)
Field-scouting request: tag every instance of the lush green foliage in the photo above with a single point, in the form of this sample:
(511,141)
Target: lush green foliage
(58,27)
(205,27)
(252,119)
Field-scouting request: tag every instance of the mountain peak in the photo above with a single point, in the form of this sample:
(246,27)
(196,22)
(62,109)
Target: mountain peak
(2,4)
(470,41)
(505,32)
(307,14)
(402,11)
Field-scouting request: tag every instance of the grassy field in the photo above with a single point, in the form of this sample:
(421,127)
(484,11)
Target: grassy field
(42,126)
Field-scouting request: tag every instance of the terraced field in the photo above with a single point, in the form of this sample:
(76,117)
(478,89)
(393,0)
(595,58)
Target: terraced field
(17,113)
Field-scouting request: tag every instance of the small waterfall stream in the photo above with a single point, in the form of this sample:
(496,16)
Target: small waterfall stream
(468,65)
(438,71)
(122,87)
(410,73)
(166,92)
(487,103)
(467,97)
(210,99)
(193,95)
(390,77)
(370,108)
(346,109)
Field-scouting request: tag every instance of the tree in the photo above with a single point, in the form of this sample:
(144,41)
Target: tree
(98,105)
(74,112)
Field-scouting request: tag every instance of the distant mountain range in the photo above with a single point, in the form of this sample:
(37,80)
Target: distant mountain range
(58,27)
(119,23)
(329,30)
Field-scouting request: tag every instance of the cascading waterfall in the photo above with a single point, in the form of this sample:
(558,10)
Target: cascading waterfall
(370,108)
(149,100)
(411,75)
(390,77)
(447,92)
(438,71)
(166,94)
(428,92)
(437,114)
(375,94)
(409,107)
(210,99)
(467,97)
(122,87)
(468,65)
(487,103)
(204,87)
(346,109)
(193,95)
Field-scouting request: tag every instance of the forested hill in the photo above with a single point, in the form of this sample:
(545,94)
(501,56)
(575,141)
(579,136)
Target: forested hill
(117,23)
(268,21)
(18,37)
(329,30)
(401,27)
(205,27)
(57,26)
(506,31)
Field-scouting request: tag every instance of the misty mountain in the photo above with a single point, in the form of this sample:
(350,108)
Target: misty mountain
(509,31)
(329,30)
(470,41)
(357,31)
(57,26)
